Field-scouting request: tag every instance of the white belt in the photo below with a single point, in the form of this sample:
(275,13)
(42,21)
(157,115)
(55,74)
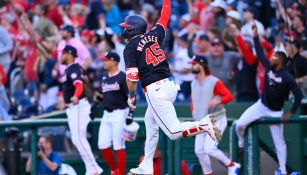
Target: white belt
(71,105)
(158,83)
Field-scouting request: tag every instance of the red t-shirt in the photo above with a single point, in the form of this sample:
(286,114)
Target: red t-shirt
(3,77)
(30,69)
(55,16)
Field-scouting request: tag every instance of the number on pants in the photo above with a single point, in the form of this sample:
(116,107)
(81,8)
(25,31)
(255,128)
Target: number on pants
(154,55)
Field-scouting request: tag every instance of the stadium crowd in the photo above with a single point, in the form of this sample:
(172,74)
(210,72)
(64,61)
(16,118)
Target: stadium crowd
(33,34)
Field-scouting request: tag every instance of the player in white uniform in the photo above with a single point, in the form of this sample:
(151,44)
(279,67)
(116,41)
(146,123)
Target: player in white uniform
(78,109)
(113,95)
(146,61)
(208,96)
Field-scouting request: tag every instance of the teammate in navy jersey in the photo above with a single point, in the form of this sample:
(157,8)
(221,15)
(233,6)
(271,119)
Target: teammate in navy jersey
(278,84)
(146,61)
(78,109)
(113,94)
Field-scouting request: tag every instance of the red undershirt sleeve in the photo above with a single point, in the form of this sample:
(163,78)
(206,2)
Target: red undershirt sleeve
(165,14)
(78,89)
(247,53)
(221,90)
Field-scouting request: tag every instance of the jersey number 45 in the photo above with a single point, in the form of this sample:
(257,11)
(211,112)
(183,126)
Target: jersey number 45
(154,55)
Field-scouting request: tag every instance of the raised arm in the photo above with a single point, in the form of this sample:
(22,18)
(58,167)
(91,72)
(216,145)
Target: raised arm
(259,50)
(165,14)
(247,54)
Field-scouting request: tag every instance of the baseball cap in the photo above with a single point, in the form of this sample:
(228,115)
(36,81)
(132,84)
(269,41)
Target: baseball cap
(199,59)
(253,10)
(71,50)
(111,56)
(69,29)
(216,41)
(234,14)
(184,36)
(203,37)
(218,3)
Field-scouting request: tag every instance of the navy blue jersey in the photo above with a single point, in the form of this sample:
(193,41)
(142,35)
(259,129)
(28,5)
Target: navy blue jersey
(144,52)
(73,74)
(277,85)
(115,91)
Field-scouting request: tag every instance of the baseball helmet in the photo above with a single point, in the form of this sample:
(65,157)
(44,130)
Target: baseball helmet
(130,131)
(133,25)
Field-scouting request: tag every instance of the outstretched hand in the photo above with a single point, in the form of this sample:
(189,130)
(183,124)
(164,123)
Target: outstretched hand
(286,116)
(255,30)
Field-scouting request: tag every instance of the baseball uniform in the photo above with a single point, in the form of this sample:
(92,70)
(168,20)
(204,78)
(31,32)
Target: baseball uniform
(78,117)
(277,87)
(115,94)
(146,61)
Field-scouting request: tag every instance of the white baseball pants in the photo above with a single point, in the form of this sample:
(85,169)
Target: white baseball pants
(255,112)
(205,147)
(161,113)
(78,119)
(111,130)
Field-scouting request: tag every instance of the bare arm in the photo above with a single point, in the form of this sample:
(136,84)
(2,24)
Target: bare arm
(28,165)
(132,85)
(51,165)
(283,13)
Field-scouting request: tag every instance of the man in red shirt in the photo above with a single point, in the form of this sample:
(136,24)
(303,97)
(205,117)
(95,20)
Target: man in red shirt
(53,13)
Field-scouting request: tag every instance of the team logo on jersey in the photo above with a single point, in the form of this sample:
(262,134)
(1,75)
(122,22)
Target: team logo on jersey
(73,75)
(273,78)
(110,87)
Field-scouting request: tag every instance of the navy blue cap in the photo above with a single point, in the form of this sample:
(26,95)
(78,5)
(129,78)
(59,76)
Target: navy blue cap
(69,29)
(204,37)
(199,59)
(71,50)
(184,37)
(253,10)
(111,56)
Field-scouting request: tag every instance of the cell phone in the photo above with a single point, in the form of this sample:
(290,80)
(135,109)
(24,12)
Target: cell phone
(40,148)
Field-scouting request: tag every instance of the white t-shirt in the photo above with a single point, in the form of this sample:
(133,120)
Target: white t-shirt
(181,61)
(246,30)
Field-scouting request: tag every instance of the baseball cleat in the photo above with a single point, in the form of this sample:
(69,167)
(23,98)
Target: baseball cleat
(235,169)
(208,123)
(140,171)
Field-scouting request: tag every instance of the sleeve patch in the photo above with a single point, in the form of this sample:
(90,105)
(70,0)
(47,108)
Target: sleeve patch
(132,74)
(73,76)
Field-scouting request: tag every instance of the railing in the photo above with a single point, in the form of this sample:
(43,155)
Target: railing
(171,150)
(252,142)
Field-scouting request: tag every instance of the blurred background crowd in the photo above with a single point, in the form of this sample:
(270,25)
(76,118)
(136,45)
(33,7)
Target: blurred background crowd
(34,32)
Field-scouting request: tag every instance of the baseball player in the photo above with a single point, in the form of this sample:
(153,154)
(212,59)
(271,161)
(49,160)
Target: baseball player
(208,96)
(278,83)
(113,94)
(78,109)
(146,61)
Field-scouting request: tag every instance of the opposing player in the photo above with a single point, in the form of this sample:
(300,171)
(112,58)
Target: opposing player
(113,94)
(146,61)
(208,96)
(78,109)
(278,84)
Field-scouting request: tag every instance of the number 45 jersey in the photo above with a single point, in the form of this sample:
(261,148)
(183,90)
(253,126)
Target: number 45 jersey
(144,55)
